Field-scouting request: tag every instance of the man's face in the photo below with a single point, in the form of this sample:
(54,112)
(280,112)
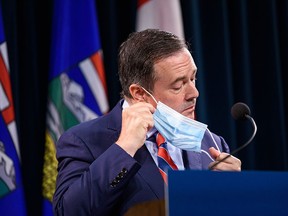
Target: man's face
(175,83)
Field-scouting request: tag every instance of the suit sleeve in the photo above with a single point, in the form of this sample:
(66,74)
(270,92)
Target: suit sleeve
(89,185)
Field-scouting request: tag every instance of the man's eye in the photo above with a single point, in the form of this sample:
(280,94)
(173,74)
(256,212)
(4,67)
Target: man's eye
(193,80)
(177,88)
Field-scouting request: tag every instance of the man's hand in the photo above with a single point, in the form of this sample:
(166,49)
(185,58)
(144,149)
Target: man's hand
(231,163)
(137,120)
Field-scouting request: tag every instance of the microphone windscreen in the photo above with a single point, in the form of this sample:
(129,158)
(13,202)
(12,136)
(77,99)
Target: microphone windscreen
(239,111)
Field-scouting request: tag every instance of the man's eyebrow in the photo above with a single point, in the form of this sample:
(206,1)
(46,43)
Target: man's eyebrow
(178,79)
(182,78)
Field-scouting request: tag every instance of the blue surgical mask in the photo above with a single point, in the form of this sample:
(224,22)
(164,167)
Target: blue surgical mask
(177,129)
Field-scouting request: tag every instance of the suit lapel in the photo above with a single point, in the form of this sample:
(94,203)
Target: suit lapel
(150,172)
(115,118)
(196,160)
(192,160)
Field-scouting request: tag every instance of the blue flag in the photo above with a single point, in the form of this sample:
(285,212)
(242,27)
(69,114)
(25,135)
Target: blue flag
(11,188)
(77,86)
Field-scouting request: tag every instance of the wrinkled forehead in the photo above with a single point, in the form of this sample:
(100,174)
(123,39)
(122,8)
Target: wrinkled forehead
(180,62)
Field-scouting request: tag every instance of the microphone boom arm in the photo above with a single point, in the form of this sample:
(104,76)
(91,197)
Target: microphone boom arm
(242,146)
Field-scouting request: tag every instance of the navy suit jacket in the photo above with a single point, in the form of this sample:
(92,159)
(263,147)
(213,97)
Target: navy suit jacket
(97,177)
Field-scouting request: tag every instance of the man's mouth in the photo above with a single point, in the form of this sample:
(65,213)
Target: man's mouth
(189,109)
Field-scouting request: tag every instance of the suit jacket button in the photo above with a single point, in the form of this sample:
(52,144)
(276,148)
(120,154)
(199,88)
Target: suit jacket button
(120,175)
(124,170)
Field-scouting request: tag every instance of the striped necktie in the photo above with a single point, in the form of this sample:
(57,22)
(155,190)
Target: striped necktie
(165,161)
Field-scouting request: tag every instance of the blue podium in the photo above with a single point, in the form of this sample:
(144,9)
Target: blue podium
(243,193)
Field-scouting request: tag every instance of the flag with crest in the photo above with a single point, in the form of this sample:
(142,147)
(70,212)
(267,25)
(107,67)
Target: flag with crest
(11,188)
(77,86)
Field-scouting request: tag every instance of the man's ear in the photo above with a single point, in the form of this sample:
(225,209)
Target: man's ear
(137,93)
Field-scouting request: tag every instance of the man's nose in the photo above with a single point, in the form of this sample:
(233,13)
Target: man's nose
(191,91)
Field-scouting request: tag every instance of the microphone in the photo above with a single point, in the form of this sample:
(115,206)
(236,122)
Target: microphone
(240,111)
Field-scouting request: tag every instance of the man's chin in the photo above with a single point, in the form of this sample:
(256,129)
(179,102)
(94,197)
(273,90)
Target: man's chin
(190,115)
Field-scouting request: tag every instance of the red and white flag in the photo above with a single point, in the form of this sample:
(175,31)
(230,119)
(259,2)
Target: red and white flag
(161,14)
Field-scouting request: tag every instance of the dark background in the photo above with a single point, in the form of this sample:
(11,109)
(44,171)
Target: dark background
(240,48)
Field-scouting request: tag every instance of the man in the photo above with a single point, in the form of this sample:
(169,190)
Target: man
(109,164)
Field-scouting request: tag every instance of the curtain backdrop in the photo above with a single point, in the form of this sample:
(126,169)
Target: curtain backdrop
(240,48)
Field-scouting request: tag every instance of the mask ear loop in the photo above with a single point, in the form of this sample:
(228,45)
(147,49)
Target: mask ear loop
(149,94)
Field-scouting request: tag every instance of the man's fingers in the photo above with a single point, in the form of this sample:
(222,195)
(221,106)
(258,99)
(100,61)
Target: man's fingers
(214,152)
(226,162)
